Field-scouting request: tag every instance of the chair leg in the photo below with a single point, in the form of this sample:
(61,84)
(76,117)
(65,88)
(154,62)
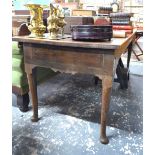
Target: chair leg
(23,102)
(135,55)
(96,79)
(123,77)
(139,47)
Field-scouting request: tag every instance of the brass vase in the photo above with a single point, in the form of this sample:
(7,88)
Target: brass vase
(36,26)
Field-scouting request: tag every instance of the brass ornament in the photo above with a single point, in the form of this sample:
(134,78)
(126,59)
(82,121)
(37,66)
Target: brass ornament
(55,22)
(61,22)
(52,22)
(36,26)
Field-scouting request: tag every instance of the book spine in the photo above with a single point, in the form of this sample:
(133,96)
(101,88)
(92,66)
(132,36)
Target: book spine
(120,14)
(121,31)
(122,27)
(120,19)
(102,22)
(119,34)
(121,23)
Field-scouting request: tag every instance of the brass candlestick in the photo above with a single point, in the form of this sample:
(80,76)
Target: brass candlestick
(36,26)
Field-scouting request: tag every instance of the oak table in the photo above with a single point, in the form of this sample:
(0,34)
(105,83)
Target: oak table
(66,55)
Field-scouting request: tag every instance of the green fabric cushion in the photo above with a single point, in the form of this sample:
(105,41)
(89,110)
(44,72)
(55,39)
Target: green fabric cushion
(18,56)
(19,79)
(15,49)
(18,63)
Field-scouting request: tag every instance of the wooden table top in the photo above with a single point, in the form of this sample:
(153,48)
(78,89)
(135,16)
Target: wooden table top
(114,44)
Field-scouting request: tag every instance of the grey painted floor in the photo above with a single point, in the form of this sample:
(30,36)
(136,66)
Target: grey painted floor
(69,110)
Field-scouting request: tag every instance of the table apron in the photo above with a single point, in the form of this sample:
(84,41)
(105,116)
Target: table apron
(68,61)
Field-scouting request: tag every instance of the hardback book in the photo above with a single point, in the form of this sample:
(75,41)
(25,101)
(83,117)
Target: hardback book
(120,14)
(120,19)
(122,27)
(102,21)
(105,10)
(121,31)
(121,22)
(119,34)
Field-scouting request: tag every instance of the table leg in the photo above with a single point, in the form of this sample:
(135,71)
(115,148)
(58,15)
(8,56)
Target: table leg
(33,91)
(106,92)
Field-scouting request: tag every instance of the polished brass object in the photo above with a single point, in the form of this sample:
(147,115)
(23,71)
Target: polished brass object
(55,22)
(80,6)
(61,22)
(36,26)
(52,22)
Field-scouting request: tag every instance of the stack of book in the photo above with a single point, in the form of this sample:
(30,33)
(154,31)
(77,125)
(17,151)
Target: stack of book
(122,26)
(105,10)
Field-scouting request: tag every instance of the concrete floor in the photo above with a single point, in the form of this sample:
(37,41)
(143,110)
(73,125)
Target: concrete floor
(69,108)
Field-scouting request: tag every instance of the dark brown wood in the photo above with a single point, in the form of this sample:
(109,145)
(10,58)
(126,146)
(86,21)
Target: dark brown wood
(23,102)
(96,79)
(122,76)
(18,90)
(129,54)
(66,55)
(22,98)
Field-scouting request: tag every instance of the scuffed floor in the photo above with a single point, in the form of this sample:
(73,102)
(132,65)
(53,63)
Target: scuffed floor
(69,111)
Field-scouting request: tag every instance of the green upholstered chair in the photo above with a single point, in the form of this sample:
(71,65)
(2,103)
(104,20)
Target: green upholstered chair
(19,78)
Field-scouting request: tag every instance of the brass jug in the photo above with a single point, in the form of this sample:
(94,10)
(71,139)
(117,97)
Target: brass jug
(36,26)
